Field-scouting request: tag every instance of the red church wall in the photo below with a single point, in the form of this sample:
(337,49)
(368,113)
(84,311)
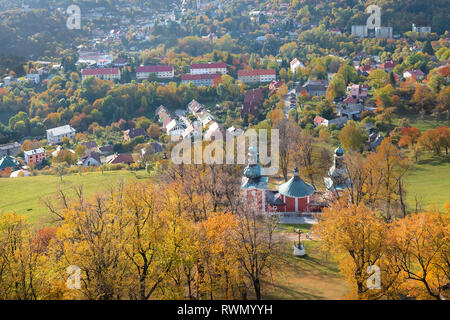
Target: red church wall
(290,204)
(302,204)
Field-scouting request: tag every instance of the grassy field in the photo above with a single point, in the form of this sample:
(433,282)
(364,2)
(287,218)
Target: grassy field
(429,179)
(313,277)
(422,124)
(21,195)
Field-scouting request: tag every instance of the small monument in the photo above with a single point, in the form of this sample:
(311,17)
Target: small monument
(299,249)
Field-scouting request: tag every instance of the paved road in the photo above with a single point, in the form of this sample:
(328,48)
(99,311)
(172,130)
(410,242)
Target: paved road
(298,220)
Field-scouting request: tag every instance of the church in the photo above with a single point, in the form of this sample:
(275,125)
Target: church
(296,195)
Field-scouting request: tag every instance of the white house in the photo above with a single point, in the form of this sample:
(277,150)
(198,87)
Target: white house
(161,72)
(255,76)
(175,129)
(209,68)
(295,64)
(359,31)
(34,77)
(55,135)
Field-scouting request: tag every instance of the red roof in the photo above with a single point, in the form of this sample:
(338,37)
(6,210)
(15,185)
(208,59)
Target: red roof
(319,119)
(350,99)
(154,69)
(122,158)
(209,65)
(100,71)
(365,68)
(187,77)
(388,65)
(259,72)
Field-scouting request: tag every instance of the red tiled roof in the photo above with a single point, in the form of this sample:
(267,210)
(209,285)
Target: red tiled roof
(100,71)
(187,77)
(350,99)
(319,119)
(366,68)
(122,158)
(152,69)
(388,65)
(416,72)
(208,65)
(259,72)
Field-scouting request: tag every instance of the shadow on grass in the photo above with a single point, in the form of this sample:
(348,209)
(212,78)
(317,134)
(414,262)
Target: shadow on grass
(435,160)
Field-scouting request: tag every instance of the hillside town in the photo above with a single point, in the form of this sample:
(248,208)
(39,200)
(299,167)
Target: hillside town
(352,98)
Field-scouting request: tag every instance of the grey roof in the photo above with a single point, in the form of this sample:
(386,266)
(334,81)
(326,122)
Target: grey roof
(273,198)
(9,146)
(296,187)
(60,130)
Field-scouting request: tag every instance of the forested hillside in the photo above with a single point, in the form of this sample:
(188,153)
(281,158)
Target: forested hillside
(34,33)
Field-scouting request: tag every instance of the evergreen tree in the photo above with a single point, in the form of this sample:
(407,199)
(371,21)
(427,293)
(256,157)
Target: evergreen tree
(428,48)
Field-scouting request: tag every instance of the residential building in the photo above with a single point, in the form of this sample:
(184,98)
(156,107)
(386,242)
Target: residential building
(359,31)
(161,72)
(165,117)
(214,131)
(34,77)
(174,128)
(120,63)
(102,73)
(256,76)
(359,91)
(194,107)
(365,70)
(339,122)
(373,142)
(35,156)
(383,32)
(335,31)
(206,80)
(350,109)
(9,149)
(134,133)
(418,74)
(55,135)
(314,88)
(421,30)
(125,158)
(90,159)
(209,68)
(295,64)
(388,66)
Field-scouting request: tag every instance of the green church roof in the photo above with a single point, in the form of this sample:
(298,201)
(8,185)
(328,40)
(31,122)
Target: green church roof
(296,187)
(339,151)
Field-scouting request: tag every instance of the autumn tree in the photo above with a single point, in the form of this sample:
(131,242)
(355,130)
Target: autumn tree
(388,168)
(358,237)
(419,245)
(22,275)
(430,140)
(257,253)
(410,137)
(352,136)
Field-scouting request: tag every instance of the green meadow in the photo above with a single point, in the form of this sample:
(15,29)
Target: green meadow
(22,195)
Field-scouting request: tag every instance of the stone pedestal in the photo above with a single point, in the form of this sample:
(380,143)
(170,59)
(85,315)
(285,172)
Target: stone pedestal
(299,251)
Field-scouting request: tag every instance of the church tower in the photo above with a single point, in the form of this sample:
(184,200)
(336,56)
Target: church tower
(338,179)
(254,184)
